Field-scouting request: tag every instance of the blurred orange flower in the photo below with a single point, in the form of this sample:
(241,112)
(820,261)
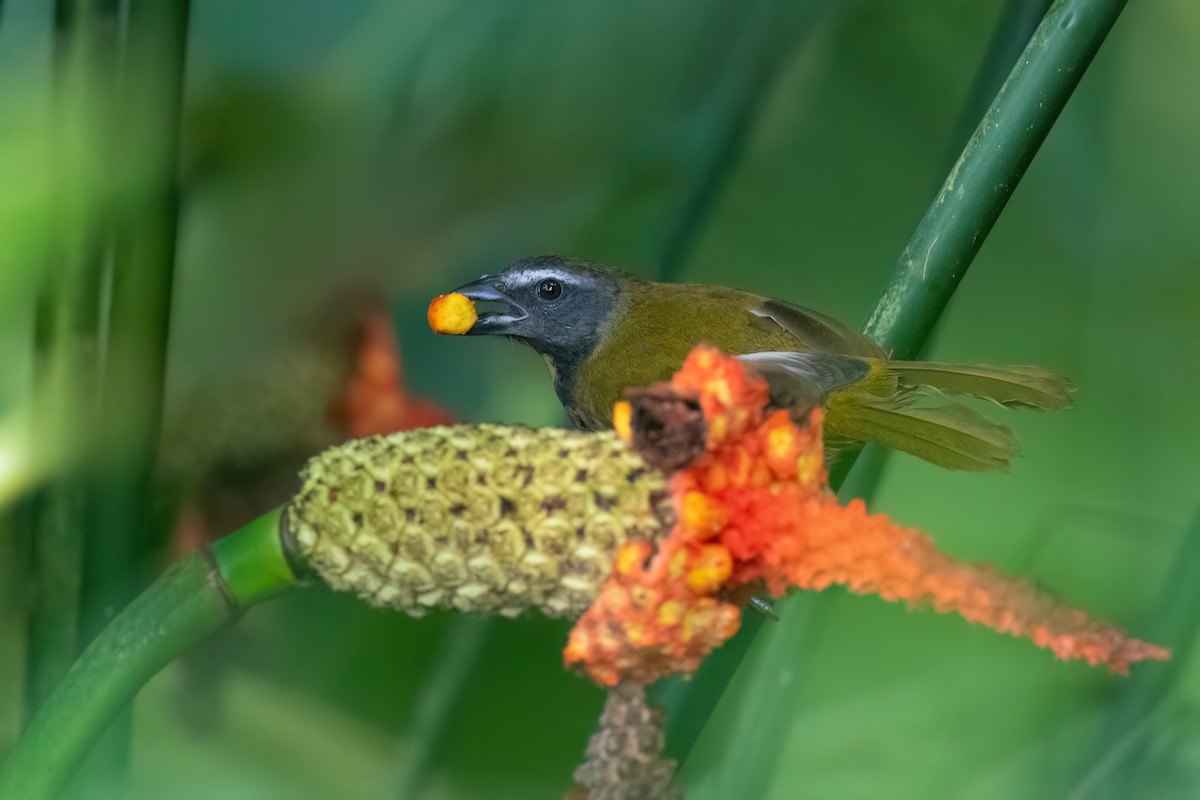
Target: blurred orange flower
(375,400)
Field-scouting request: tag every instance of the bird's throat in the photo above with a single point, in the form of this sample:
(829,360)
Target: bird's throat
(564,370)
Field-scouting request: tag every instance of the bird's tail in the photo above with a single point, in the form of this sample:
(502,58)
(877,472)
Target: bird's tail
(948,435)
(1018,386)
(912,418)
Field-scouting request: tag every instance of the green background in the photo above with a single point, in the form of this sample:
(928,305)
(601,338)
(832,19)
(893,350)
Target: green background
(408,147)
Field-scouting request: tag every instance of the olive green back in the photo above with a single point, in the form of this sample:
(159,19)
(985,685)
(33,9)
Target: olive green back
(662,322)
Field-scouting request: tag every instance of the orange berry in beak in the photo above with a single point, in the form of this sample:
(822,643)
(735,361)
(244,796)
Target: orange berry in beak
(451,313)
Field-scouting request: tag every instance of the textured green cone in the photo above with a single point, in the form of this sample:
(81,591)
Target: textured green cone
(477,518)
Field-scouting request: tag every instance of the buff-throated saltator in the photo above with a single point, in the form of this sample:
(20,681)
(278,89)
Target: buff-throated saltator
(601,330)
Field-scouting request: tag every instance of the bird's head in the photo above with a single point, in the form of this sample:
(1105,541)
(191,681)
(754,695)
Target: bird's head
(558,306)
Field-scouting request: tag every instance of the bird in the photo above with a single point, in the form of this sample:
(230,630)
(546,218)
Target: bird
(601,330)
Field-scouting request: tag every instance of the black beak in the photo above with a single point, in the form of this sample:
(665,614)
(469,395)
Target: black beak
(490,289)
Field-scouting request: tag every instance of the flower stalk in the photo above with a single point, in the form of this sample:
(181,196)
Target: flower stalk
(201,594)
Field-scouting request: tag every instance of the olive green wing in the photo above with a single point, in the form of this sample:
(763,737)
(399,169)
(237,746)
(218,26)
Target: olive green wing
(802,381)
(813,331)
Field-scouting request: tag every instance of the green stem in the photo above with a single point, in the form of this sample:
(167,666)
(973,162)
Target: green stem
(67,340)
(988,171)
(1014,29)
(251,562)
(14,610)
(56,561)
(946,241)
(117,545)
(201,594)
(143,259)
(858,471)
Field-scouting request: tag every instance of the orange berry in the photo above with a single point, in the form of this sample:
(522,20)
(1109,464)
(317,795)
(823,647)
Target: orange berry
(760,476)
(670,613)
(703,516)
(630,557)
(622,417)
(709,568)
(451,313)
(716,478)
(703,358)
(808,467)
(719,389)
(676,565)
(635,632)
(782,448)
(718,426)
(739,467)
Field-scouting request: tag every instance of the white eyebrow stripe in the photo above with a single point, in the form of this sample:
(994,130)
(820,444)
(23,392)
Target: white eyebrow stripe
(535,274)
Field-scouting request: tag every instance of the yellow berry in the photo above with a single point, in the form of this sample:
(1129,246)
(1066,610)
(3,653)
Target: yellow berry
(622,418)
(808,467)
(676,565)
(703,516)
(451,313)
(711,567)
(670,612)
(631,556)
(781,442)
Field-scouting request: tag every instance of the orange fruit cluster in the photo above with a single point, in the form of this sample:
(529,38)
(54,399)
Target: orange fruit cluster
(756,506)
(661,611)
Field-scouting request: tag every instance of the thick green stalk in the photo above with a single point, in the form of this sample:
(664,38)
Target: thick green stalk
(116,551)
(143,259)
(987,172)
(56,560)
(948,237)
(1014,29)
(203,593)
(14,547)
(67,337)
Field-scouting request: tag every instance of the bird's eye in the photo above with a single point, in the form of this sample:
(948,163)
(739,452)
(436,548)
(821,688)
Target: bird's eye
(549,289)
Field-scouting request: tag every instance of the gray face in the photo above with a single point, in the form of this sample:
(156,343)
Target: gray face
(555,305)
